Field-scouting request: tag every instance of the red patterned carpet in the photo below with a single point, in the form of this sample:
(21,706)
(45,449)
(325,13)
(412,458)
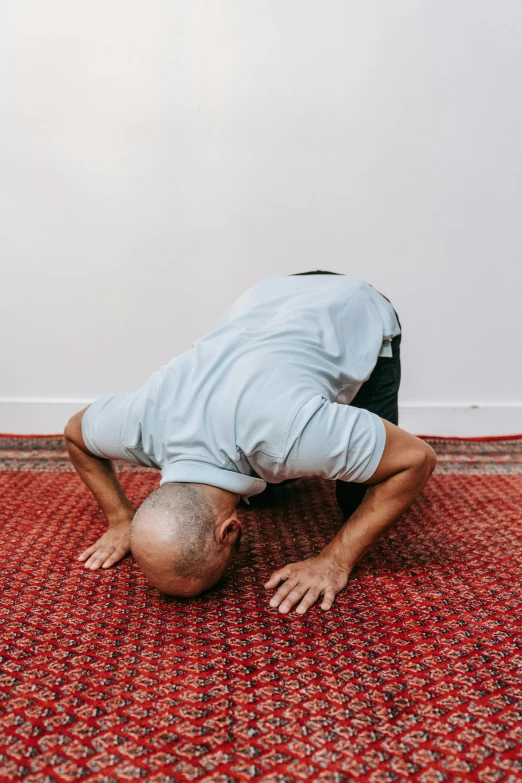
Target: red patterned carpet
(415,673)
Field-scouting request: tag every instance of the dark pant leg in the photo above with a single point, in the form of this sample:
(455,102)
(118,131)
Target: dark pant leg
(380,395)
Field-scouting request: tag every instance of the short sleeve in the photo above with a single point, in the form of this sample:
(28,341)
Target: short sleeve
(103,430)
(334,441)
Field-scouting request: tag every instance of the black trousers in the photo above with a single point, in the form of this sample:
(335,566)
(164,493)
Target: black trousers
(379,395)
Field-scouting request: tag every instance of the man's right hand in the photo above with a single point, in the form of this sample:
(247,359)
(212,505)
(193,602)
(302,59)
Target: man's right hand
(109,549)
(100,477)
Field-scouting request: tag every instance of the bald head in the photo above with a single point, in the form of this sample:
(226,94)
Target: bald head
(183,536)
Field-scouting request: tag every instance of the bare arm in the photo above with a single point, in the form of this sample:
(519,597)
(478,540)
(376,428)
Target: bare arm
(405,467)
(100,477)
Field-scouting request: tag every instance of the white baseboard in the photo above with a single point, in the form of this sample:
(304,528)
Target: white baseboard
(37,417)
(49,417)
(464,421)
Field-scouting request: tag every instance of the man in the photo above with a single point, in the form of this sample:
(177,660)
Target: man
(299,377)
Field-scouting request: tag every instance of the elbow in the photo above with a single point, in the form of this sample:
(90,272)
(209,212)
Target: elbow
(73,430)
(67,433)
(431,459)
(70,430)
(426,460)
(73,435)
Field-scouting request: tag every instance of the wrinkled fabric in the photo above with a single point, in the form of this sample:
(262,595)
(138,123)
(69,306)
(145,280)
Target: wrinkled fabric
(265,395)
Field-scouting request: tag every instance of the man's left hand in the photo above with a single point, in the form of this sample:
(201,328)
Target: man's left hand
(304,582)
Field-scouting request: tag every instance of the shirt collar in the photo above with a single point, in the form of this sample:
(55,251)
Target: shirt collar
(190,470)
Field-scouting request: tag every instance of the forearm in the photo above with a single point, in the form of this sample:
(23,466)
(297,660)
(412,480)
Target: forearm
(382,505)
(405,466)
(100,477)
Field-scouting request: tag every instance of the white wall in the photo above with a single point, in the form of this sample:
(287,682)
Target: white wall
(159,157)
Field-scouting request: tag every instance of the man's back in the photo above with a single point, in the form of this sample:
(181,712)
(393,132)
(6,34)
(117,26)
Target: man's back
(228,404)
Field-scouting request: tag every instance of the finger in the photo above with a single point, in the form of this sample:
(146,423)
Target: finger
(117,555)
(283,591)
(277,576)
(92,558)
(329,598)
(293,598)
(98,559)
(309,600)
(85,554)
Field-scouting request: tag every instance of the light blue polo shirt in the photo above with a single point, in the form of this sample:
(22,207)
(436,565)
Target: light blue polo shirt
(265,396)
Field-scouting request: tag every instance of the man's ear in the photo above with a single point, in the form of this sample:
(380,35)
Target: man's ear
(228,529)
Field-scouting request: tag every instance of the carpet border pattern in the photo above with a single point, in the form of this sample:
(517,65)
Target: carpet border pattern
(473,456)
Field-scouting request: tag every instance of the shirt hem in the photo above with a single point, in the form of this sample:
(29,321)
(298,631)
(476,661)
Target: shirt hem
(377,453)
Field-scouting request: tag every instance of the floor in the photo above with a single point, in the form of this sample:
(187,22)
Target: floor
(415,673)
